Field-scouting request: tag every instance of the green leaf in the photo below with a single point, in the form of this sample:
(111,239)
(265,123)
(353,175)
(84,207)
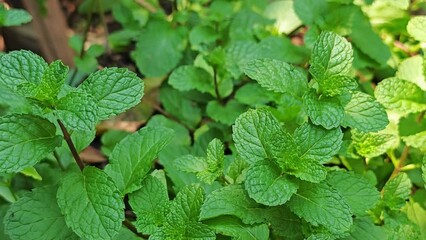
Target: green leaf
(150,204)
(331,55)
(182,219)
(336,84)
(317,143)
(232,200)
(424,170)
(416,28)
(18,67)
(281,48)
(412,69)
(309,11)
(253,94)
(367,40)
(267,185)
(417,140)
(237,55)
(256,134)
(396,191)
(181,138)
(364,229)
(322,110)
(91,204)
(36,215)
(225,114)
(127,168)
(111,138)
(13,17)
(24,141)
(364,113)
(233,227)
(373,144)
(304,168)
(158,43)
(114,89)
(277,76)
(400,96)
(215,161)
(185,78)
(319,204)
(177,104)
(6,192)
(52,81)
(284,223)
(78,111)
(190,163)
(417,215)
(358,192)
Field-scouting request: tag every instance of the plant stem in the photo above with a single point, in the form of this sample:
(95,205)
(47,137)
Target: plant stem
(401,162)
(71,145)
(420,117)
(58,159)
(105,26)
(82,50)
(132,228)
(216,87)
(146,5)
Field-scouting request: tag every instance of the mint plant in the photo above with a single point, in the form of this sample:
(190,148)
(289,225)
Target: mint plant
(260,125)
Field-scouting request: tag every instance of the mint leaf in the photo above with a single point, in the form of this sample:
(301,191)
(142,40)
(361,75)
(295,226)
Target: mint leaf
(319,204)
(177,104)
(364,113)
(20,67)
(396,191)
(417,140)
(373,144)
(127,168)
(277,76)
(267,185)
(284,223)
(358,192)
(185,78)
(231,200)
(25,140)
(336,84)
(182,219)
(400,96)
(322,110)
(158,34)
(424,170)
(255,133)
(233,227)
(37,216)
(181,138)
(91,204)
(227,113)
(215,161)
(190,163)
(150,204)
(281,48)
(417,214)
(364,228)
(304,168)
(416,28)
(238,53)
(114,89)
(52,81)
(13,17)
(331,55)
(317,143)
(412,69)
(77,110)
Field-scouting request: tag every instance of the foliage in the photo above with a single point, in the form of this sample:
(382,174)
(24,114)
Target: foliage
(274,120)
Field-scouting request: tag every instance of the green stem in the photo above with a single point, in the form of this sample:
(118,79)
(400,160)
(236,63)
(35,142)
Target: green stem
(420,117)
(105,26)
(83,50)
(71,146)
(401,162)
(58,159)
(216,87)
